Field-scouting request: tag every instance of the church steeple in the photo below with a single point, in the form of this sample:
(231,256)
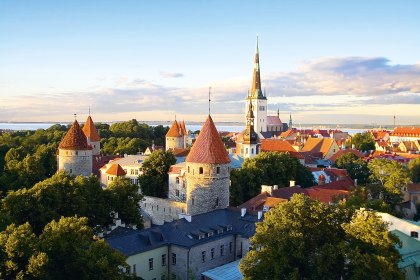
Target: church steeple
(250,137)
(256,91)
(290,121)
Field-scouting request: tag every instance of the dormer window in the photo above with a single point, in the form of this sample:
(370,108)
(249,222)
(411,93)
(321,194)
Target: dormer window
(210,234)
(201,236)
(228,228)
(219,231)
(414,234)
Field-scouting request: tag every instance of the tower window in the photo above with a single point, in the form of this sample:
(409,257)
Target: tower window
(188,169)
(217,201)
(201,170)
(252,151)
(77,153)
(192,201)
(218,170)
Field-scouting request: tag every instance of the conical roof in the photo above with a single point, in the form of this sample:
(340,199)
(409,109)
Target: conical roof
(74,139)
(116,170)
(208,148)
(256,91)
(174,131)
(183,128)
(90,131)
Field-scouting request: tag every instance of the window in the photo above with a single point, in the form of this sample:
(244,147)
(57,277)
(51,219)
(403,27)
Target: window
(77,153)
(151,264)
(177,192)
(177,180)
(217,202)
(71,170)
(415,234)
(203,256)
(188,169)
(218,170)
(212,253)
(210,234)
(252,151)
(134,269)
(201,170)
(164,260)
(132,171)
(246,150)
(222,250)
(136,171)
(173,259)
(230,247)
(192,201)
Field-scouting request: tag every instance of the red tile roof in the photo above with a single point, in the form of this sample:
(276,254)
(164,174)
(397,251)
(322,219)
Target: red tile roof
(116,170)
(279,145)
(406,131)
(183,128)
(208,148)
(74,139)
(318,145)
(342,152)
(325,195)
(90,131)
(174,131)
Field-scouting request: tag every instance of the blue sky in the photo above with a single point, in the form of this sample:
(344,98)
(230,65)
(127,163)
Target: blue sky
(323,61)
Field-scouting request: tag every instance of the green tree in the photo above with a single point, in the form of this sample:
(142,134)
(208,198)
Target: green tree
(391,176)
(307,239)
(154,180)
(355,166)
(414,167)
(270,168)
(124,198)
(363,141)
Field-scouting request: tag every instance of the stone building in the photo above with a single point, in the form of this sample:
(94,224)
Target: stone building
(74,152)
(176,137)
(208,172)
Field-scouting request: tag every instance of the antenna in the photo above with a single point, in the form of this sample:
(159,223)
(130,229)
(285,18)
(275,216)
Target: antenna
(209,99)
(89,110)
(75,116)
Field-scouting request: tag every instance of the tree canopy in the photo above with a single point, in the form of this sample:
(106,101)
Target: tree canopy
(307,239)
(414,167)
(154,178)
(270,168)
(355,166)
(363,141)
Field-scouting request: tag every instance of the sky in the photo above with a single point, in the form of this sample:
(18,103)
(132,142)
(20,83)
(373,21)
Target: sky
(340,62)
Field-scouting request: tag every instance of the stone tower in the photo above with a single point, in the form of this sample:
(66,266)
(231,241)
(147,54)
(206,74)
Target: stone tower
(92,136)
(256,97)
(208,172)
(74,153)
(175,137)
(250,138)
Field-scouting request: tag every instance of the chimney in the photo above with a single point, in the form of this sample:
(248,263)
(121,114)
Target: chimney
(268,189)
(292,183)
(243,212)
(259,215)
(275,187)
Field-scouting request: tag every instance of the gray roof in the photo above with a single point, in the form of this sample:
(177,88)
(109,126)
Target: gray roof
(184,233)
(228,271)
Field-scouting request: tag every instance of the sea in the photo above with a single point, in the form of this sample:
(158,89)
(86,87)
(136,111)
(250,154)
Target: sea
(220,127)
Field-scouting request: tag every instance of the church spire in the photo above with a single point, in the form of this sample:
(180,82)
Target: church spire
(250,137)
(290,122)
(256,91)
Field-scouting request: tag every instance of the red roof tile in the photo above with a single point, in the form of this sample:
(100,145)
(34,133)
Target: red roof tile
(116,170)
(90,131)
(174,131)
(208,148)
(183,128)
(342,152)
(279,145)
(406,131)
(74,139)
(325,195)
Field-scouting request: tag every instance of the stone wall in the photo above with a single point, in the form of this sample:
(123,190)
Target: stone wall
(162,210)
(174,142)
(96,148)
(76,162)
(207,187)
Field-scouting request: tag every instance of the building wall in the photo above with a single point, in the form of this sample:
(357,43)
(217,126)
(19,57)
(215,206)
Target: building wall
(76,162)
(162,210)
(207,191)
(260,113)
(96,147)
(175,142)
(249,150)
(333,149)
(399,224)
(140,263)
(180,269)
(175,187)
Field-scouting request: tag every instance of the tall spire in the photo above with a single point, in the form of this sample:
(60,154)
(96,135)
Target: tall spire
(256,91)
(250,137)
(290,121)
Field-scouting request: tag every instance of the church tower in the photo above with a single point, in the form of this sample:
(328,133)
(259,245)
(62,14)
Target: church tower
(256,97)
(92,136)
(250,138)
(74,153)
(174,137)
(208,172)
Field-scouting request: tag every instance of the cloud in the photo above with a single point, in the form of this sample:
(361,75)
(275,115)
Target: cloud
(170,74)
(323,87)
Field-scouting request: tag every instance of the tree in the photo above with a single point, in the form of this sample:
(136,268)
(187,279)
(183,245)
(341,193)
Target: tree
(414,167)
(270,168)
(391,176)
(363,141)
(125,198)
(154,180)
(355,166)
(307,239)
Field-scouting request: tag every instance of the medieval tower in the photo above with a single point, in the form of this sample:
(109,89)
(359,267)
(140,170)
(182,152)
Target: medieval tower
(176,137)
(92,136)
(256,97)
(208,172)
(249,147)
(74,153)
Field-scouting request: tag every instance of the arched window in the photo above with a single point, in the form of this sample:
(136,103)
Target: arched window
(201,170)
(188,169)
(218,170)
(217,202)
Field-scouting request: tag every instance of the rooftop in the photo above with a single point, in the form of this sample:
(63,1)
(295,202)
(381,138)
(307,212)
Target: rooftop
(74,139)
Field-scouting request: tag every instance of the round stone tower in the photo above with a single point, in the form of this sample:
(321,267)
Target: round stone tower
(175,137)
(74,153)
(208,172)
(92,136)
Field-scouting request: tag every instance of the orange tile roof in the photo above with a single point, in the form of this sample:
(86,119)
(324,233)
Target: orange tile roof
(318,145)
(74,139)
(342,152)
(116,170)
(208,148)
(174,131)
(273,201)
(184,130)
(406,131)
(90,131)
(325,195)
(279,145)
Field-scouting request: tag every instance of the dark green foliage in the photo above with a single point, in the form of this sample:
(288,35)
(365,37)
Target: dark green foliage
(414,167)
(267,169)
(363,141)
(355,166)
(154,180)
(307,239)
